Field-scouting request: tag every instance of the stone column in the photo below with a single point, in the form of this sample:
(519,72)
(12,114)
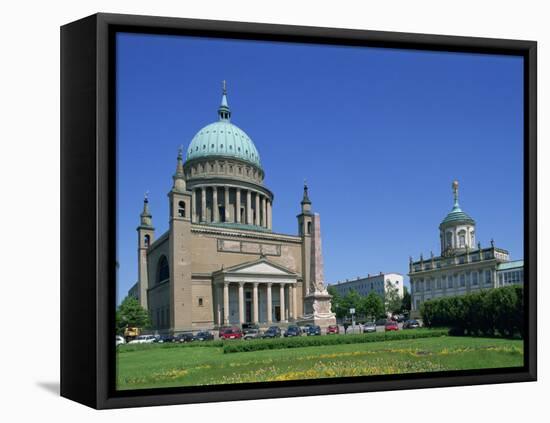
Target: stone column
(241,303)
(294,303)
(193,206)
(215,210)
(248,207)
(268,288)
(226,203)
(203,204)
(269,225)
(226,303)
(264,209)
(257,220)
(282,302)
(238,205)
(255,303)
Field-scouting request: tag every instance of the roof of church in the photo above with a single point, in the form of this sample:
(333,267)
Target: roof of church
(222,138)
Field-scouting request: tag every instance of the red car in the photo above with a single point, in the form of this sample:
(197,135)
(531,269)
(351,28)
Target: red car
(231,333)
(389,326)
(333,329)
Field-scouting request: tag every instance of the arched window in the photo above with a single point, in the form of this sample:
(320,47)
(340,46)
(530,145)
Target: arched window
(181,209)
(462,239)
(308,227)
(146,241)
(449,239)
(472,238)
(163,270)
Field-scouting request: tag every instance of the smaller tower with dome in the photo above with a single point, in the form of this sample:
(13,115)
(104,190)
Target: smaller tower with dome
(457,230)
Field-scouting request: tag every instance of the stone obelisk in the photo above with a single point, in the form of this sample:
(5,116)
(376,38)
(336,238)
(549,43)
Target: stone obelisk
(318,301)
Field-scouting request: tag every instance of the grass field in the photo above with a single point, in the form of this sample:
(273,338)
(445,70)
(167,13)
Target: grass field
(154,366)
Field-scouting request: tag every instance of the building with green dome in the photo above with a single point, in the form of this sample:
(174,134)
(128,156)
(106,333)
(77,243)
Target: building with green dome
(462,266)
(220,263)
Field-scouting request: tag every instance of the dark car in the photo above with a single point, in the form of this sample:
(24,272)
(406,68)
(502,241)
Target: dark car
(411,324)
(272,332)
(231,333)
(293,331)
(203,336)
(401,318)
(391,326)
(333,329)
(163,339)
(314,331)
(184,337)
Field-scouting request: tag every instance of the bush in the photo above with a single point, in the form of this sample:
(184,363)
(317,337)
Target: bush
(313,341)
(495,312)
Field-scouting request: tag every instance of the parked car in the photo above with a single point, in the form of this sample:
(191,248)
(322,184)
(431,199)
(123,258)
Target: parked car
(246,327)
(184,337)
(304,329)
(401,318)
(272,332)
(143,339)
(252,334)
(231,333)
(119,340)
(389,326)
(314,331)
(369,327)
(293,331)
(411,324)
(163,339)
(203,336)
(381,322)
(333,330)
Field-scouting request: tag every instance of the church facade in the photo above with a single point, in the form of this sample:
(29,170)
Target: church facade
(463,266)
(220,263)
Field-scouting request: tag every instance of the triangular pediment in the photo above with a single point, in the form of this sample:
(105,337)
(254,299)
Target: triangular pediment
(260,267)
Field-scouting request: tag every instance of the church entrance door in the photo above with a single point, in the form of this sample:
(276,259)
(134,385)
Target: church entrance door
(278,313)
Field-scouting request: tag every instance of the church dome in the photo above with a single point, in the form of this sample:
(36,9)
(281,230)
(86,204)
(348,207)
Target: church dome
(456,215)
(222,138)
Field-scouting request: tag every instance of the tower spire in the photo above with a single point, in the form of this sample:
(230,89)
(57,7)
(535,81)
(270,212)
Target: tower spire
(179,176)
(223,111)
(455,194)
(145,216)
(305,198)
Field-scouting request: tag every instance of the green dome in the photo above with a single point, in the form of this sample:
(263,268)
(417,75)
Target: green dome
(222,138)
(457,216)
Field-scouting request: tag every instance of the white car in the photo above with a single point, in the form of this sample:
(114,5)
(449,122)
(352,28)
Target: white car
(143,339)
(120,340)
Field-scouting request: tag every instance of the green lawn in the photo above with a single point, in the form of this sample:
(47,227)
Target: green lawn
(155,366)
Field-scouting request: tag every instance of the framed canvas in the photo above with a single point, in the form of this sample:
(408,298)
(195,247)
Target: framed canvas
(197,158)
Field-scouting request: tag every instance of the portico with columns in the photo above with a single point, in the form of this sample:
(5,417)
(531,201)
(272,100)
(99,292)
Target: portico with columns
(260,292)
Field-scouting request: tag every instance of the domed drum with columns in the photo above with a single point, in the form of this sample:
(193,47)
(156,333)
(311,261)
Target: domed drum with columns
(220,263)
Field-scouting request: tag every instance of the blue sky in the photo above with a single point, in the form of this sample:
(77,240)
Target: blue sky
(379,134)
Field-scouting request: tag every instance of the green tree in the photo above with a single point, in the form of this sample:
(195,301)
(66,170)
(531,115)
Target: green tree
(352,300)
(372,306)
(131,313)
(393,299)
(337,302)
(406,301)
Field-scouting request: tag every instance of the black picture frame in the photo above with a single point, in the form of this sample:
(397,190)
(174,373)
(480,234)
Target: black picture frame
(88,154)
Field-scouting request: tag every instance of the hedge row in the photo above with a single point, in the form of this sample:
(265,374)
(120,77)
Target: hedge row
(495,312)
(313,341)
(140,347)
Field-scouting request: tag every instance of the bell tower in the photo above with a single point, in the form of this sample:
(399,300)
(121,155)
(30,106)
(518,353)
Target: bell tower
(305,226)
(180,251)
(146,236)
